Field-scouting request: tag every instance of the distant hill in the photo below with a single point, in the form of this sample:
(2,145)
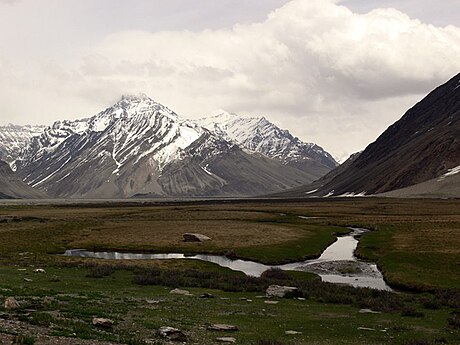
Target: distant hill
(311,189)
(423,145)
(12,187)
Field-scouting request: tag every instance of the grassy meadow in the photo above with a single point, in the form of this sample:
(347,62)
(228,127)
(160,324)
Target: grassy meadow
(416,244)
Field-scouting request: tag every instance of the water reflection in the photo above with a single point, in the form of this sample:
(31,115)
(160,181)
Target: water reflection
(337,264)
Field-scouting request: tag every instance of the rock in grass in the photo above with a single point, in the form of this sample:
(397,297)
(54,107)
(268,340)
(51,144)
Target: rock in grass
(226,340)
(11,303)
(281,291)
(222,328)
(39,270)
(368,311)
(189,237)
(152,301)
(271,302)
(206,295)
(180,292)
(171,333)
(102,322)
(292,333)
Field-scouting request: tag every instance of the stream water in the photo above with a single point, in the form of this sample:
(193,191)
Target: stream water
(337,264)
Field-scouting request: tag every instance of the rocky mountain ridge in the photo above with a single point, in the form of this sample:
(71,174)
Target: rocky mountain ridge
(14,138)
(139,147)
(258,135)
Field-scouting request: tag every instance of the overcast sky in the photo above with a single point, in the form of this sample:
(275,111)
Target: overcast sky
(333,72)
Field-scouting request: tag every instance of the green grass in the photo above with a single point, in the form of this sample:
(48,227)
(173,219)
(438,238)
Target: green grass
(417,265)
(79,298)
(316,238)
(417,245)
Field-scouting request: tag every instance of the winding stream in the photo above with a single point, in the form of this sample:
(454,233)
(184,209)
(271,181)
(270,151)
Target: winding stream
(337,264)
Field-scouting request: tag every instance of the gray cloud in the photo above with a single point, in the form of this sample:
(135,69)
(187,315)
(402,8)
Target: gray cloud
(329,75)
(435,12)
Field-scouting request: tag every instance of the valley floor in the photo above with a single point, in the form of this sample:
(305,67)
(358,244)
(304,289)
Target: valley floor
(416,244)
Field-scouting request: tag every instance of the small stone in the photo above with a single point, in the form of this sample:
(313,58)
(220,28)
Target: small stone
(180,292)
(206,295)
(189,237)
(39,270)
(281,291)
(368,311)
(152,301)
(366,329)
(222,327)
(48,300)
(11,303)
(271,302)
(102,322)
(55,279)
(226,340)
(292,333)
(171,333)
(28,280)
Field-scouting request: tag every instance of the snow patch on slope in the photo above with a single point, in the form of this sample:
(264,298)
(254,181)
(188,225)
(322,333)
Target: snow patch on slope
(450,172)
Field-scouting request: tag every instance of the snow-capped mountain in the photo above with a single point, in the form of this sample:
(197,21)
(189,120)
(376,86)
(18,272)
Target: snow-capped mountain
(14,138)
(258,135)
(139,146)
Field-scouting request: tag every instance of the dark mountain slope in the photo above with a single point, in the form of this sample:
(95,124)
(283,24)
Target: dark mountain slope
(422,145)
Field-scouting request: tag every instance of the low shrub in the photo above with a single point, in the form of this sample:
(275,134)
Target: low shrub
(454,320)
(269,342)
(323,292)
(100,271)
(24,340)
(412,312)
(275,273)
(431,302)
(418,342)
(449,298)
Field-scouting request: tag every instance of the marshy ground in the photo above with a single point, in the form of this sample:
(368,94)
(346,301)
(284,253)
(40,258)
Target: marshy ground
(416,244)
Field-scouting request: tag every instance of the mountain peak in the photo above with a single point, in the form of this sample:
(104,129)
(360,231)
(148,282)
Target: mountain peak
(257,134)
(136,104)
(135,97)
(137,100)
